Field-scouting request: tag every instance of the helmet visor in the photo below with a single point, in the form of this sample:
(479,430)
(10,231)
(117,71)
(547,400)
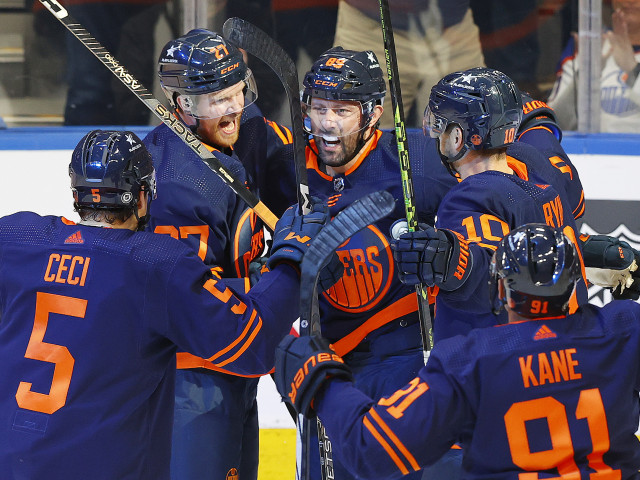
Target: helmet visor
(333,119)
(228,101)
(433,125)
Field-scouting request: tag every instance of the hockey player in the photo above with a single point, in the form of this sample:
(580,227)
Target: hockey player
(92,318)
(369,316)
(212,92)
(550,395)
(474,115)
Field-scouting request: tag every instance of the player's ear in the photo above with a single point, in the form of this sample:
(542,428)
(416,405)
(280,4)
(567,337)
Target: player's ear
(457,138)
(376,114)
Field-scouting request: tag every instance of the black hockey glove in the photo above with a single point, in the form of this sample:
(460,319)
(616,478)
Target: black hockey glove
(294,232)
(536,113)
(303,364)
(612,263)
(433,257)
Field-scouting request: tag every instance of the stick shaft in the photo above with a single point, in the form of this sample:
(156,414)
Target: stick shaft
(393,77)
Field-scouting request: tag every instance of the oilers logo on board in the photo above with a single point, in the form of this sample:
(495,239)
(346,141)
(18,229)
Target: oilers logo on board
(232,474)
(248,242)
(368,272)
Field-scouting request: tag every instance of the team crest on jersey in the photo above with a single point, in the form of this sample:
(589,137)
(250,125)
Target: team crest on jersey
(232,474)
(368,272)
(597,295)
(248,242)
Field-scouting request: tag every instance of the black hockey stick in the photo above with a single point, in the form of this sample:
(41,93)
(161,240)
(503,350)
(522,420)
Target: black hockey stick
(247,36)
(160,111)
(361,213)
(405,167)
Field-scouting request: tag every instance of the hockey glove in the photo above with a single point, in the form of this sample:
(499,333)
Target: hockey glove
(612,263)
(294,232)
(536,113)
(303,364)
(433,257)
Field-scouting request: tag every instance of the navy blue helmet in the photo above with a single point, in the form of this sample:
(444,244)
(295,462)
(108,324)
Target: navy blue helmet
(534,271)
(202,62)
(341,74)
(108,169)
(484,103)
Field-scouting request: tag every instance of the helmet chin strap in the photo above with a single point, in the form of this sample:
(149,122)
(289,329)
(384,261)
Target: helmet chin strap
(447,161)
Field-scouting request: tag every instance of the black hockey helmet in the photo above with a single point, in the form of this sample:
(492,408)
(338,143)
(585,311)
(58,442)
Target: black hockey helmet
(108,169)
(485,103)
(198,65)
(534,271)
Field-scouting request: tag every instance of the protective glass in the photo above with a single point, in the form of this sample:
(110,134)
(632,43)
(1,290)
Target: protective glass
(223,102)
(433,125)
(333,119)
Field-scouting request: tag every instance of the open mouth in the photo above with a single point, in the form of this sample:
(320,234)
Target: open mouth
(228,126)
(329,140)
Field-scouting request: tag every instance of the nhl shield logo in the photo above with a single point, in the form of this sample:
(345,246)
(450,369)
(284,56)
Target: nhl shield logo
(338,184)
(597,295)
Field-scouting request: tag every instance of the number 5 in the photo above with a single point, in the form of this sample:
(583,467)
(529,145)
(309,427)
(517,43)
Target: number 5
(47,303)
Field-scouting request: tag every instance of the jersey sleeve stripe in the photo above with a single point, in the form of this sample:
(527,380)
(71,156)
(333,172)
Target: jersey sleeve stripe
(246,344)
(580,207)
(237,341)
(396,441)
(394,456)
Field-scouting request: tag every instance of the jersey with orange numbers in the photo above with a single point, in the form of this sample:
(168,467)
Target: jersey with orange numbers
(195,206)
(90,324)
(553,167)
(370,288)
(542,399)
(482,209)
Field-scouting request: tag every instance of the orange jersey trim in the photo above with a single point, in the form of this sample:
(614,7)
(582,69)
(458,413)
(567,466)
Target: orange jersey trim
(406,305)
(396,441)
(519,168)
(580,206)
(392,454)
(285,136)
(313,160)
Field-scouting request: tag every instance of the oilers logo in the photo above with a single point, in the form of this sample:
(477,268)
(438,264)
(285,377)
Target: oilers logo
(368,272)
(615,95)
(248,242)
(597,295)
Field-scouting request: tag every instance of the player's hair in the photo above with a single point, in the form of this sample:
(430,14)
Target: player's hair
(534,272)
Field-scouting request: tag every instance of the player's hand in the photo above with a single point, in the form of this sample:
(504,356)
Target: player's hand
(612,263)
(303,364)
(294,232)
(433,257)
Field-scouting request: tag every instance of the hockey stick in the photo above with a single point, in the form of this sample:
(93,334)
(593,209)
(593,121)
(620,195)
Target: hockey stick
(361,213)
(160,111)
(247,36)
(405,167)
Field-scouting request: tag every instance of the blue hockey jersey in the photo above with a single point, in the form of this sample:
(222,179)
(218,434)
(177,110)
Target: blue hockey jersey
(91,319)
(553,398)
(482,209)
(370,296)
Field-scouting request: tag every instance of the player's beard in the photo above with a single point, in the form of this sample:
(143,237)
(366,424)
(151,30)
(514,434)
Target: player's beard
(220,132)
(338,154)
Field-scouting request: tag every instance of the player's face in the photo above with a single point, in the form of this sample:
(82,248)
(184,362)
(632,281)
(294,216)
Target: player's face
(335,126)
